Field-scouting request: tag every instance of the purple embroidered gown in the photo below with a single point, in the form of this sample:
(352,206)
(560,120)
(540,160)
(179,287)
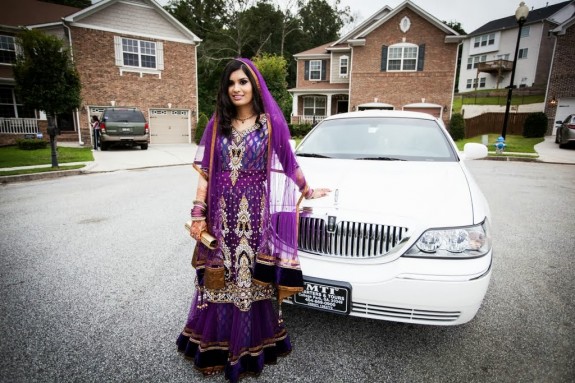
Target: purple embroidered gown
(237,328)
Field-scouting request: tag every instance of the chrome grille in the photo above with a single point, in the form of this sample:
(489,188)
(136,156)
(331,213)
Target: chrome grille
(403,314)
(350,239)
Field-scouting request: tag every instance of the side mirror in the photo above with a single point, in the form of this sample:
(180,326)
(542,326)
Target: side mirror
(473,151)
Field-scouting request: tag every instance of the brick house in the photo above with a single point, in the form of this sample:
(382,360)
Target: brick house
(561,87)
(128,53)
(402,58)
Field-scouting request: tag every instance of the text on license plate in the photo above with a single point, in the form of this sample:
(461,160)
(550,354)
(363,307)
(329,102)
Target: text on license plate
(324,295)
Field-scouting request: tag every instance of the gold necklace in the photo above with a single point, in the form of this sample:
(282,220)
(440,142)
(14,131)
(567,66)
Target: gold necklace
(244,119)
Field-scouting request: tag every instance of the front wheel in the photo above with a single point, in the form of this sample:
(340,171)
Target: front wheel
(144,146)
(103,146)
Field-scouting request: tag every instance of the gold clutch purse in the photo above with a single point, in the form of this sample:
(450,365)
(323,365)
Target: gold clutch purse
(206,238)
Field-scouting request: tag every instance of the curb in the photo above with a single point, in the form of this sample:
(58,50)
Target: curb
(40,176)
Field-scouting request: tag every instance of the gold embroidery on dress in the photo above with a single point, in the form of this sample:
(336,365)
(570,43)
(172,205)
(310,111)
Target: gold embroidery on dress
(244,278)
(237,149)
(241,297)
(225,230)
(244,225)
(262,211)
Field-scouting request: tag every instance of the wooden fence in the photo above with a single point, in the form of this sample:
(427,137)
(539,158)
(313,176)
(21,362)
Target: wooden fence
(493,123)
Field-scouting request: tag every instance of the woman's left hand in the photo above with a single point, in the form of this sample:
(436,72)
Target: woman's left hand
(319,193)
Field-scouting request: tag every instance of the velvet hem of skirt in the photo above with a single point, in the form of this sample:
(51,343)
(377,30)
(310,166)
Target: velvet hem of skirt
(216,360)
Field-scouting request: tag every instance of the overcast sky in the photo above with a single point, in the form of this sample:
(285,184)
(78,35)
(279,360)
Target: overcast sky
(470,13)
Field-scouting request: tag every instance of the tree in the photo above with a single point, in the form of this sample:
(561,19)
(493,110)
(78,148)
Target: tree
(456,26)
(320,22)
(71,3)
(274,70)
(46,78)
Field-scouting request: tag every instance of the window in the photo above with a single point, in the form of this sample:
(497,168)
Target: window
(525,31)
(144,55)
(402,57)
(522,53)
(473,61)
(314,106)
(9,105)
(315,70)
(472,83)
(7,50)
(343,66)
(139,53)
(503,57)
(484,40)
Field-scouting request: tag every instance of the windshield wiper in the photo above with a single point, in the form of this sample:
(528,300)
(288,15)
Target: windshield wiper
(314,155)
(381,158)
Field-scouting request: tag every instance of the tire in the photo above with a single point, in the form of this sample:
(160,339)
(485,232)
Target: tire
(557,137)
(103,146)
(144,146)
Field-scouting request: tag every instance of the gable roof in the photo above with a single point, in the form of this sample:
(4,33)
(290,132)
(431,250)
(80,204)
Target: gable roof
(19,13)
(562,28)
(509,22)
(84,18)
(385,14)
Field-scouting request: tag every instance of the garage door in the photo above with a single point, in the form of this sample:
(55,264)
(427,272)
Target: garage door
(169,126)
(565,107)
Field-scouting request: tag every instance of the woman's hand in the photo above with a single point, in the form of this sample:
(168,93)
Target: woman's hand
(197,228)
(319,193)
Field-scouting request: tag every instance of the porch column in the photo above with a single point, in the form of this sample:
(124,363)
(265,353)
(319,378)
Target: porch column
(295,99)
(328,106)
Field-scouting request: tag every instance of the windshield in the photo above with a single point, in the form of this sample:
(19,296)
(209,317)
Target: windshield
(378,138)
(123,115)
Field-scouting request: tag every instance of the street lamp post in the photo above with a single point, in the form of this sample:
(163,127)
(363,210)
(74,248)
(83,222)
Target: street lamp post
(521,15)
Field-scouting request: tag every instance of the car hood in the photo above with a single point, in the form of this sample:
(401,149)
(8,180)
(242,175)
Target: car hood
(403,193)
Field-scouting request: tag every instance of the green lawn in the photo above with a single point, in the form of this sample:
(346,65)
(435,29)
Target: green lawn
(514,144)
(480,99)
(11,156)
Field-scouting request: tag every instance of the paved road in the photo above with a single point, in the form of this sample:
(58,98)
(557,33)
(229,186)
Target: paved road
(95,286)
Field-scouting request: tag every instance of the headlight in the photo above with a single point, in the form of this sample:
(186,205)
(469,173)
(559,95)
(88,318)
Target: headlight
(457,242)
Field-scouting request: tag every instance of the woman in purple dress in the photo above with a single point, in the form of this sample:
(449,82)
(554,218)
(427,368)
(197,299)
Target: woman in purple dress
(246,199)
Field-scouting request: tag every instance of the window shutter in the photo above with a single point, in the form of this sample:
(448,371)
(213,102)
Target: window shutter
(420,57)
(159,55)
(118,50)
(306,71)
(384,58)
(323,70)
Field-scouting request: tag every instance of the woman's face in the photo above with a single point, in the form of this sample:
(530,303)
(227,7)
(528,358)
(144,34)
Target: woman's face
(240,89)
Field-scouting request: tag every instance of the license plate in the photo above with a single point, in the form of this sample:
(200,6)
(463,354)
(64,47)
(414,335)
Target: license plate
(126,129)
(325,295)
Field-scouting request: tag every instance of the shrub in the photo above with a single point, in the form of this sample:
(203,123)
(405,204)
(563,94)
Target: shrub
(200,127)
(299,130)
(31,144)
(457,127)
(535,125)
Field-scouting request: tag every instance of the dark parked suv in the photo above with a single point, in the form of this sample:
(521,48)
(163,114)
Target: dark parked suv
(123,126)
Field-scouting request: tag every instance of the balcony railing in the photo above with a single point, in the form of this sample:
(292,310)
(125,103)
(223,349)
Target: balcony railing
(495,66)
(310,119)
(18,125)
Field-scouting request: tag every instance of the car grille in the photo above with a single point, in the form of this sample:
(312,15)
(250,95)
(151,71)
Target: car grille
(349,239)
(404,314)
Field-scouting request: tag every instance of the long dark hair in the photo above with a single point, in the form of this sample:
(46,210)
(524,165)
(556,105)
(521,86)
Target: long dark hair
(225,109)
